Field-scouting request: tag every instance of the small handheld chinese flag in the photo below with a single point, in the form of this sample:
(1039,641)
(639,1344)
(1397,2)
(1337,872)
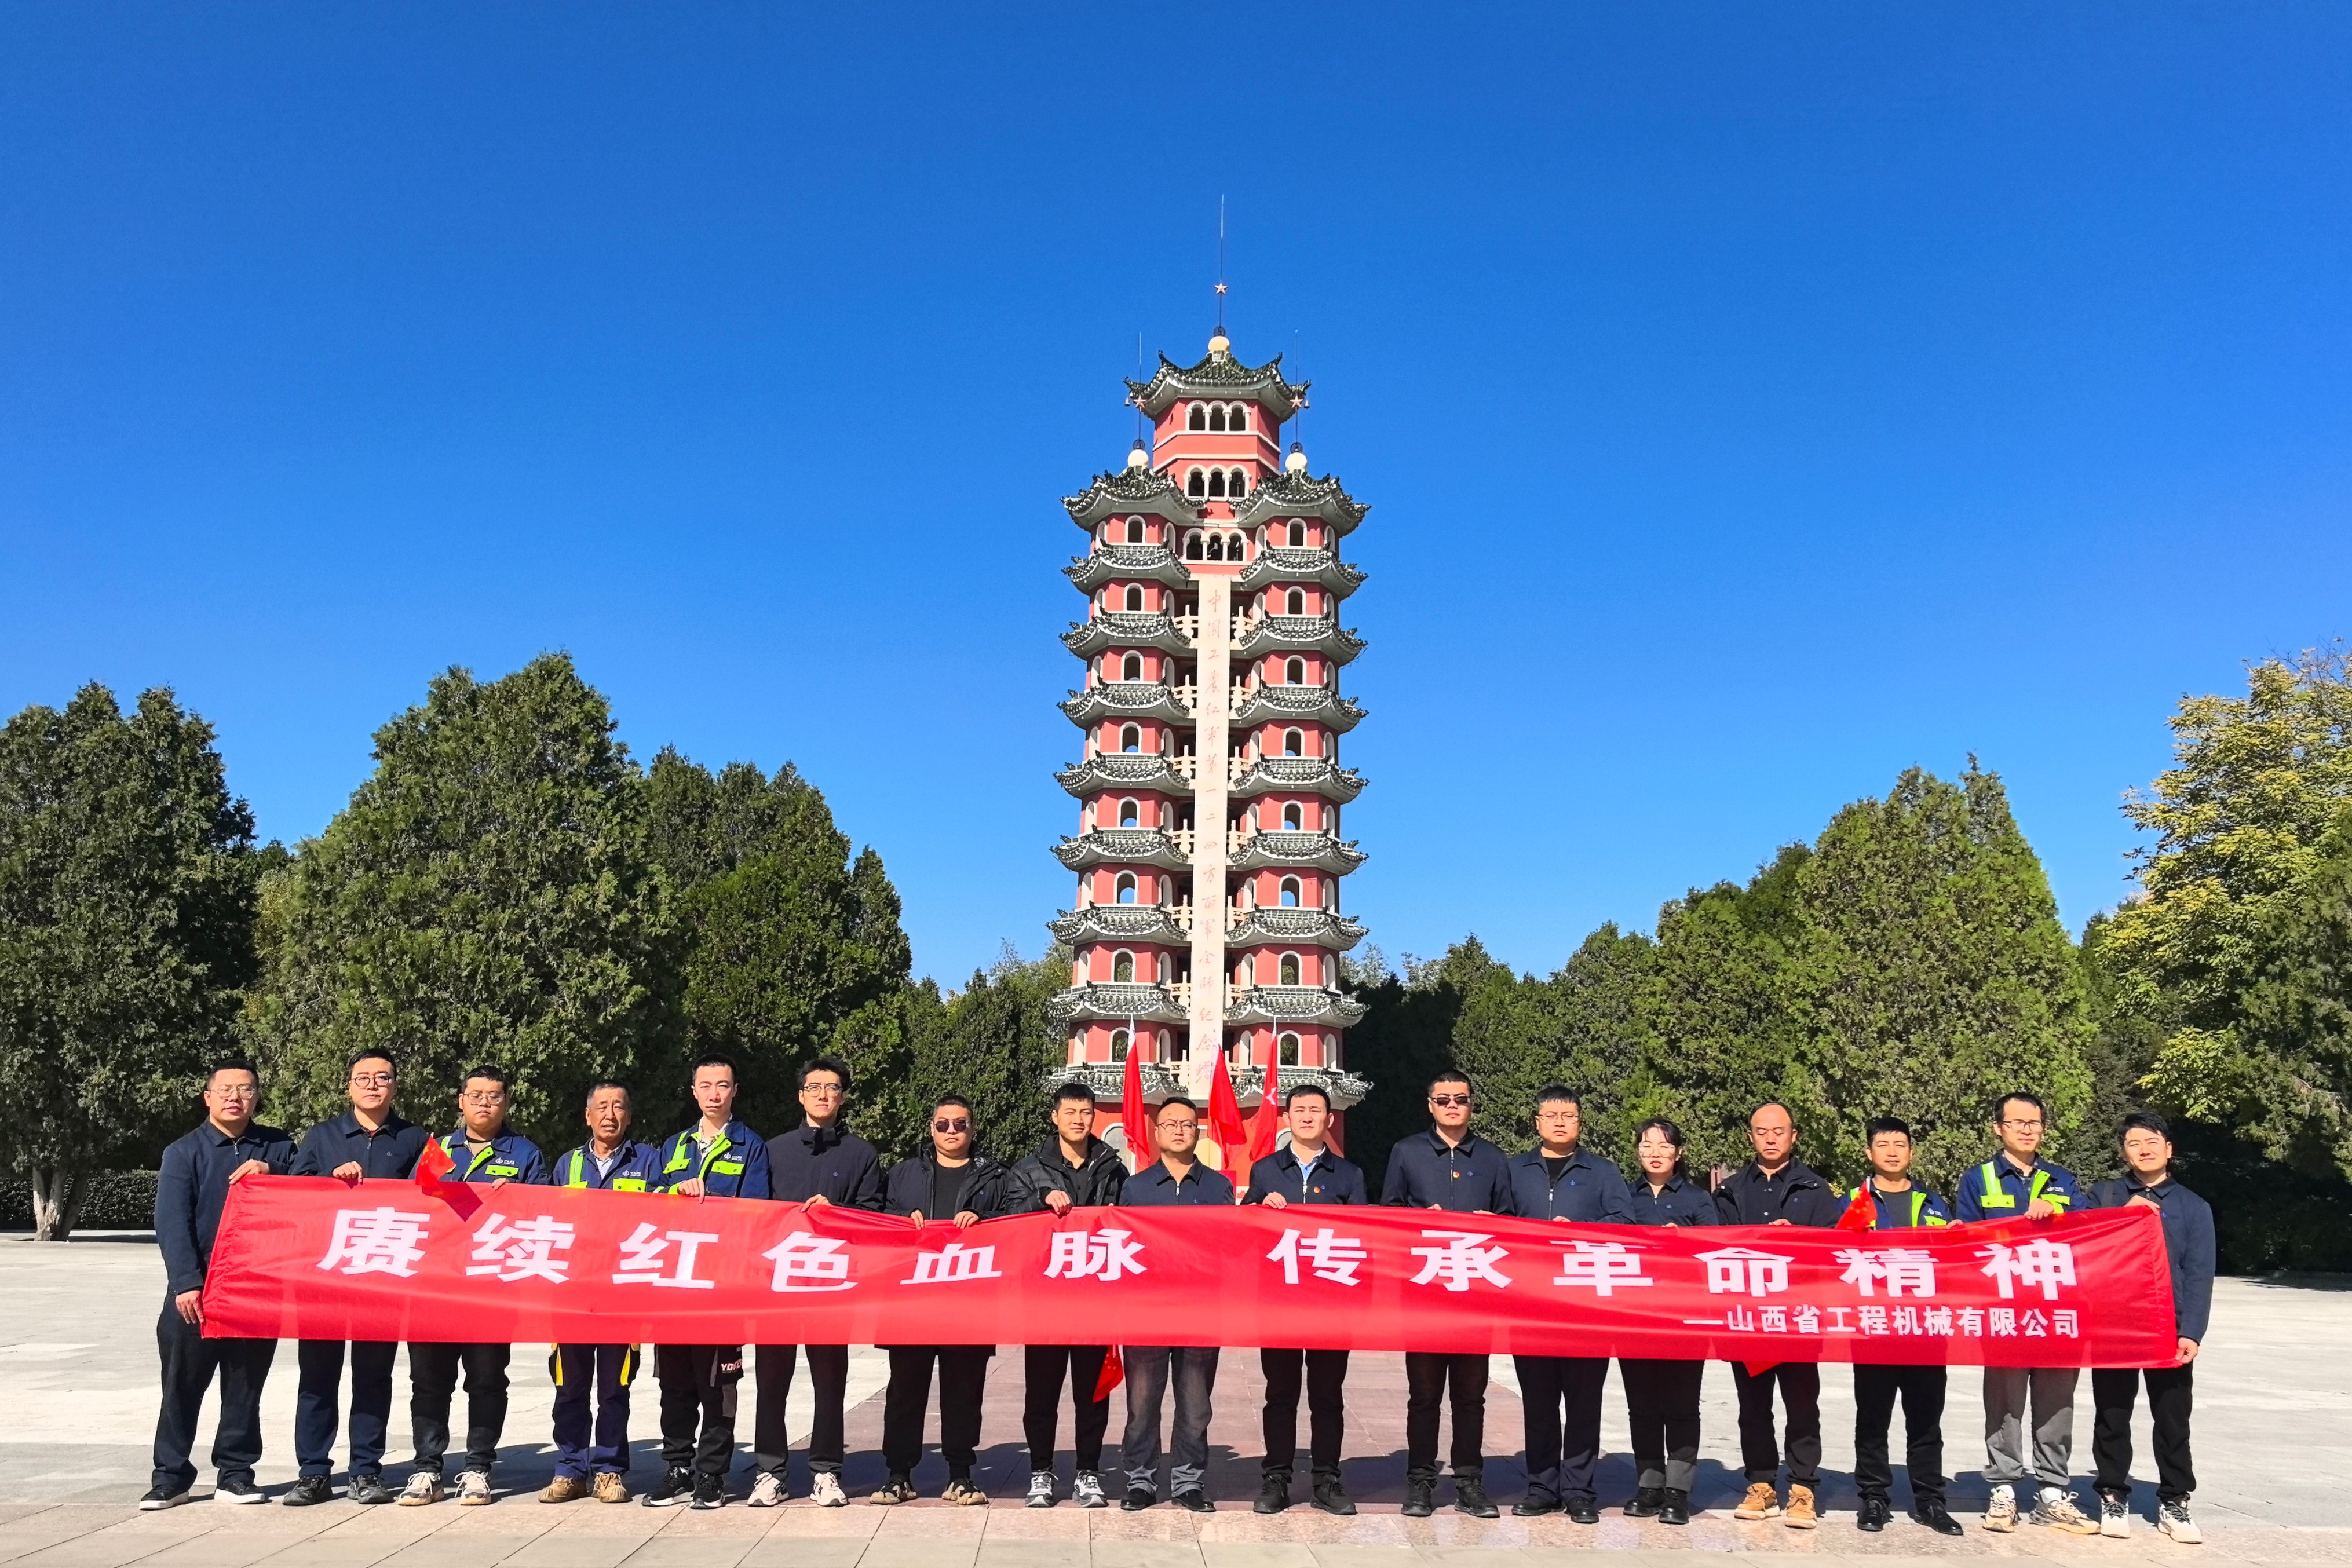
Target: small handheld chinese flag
(433,1164)
(1114,1372)
(1225,1125)
(1264,1125)
(1861,1214)
(1133,1119)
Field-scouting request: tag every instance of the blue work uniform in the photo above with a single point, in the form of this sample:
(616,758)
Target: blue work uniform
(732,1165)
(1327,1178)
(1661,1396)
(432,1368)
(599,1446)
(1998,1189)
(2029,1411)
(1921,1388)
(190,1194)
(1468,1177)
(386,1153)
(1559,1395)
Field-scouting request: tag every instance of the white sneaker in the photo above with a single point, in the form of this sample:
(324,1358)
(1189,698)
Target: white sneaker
(423,1487)
(1041,1489)
(825,1491)
(767,1492)
(2172,1518)
(2055,1508)
(473,1488)
(1086,1491)
(2114,1518)
(2000,1511)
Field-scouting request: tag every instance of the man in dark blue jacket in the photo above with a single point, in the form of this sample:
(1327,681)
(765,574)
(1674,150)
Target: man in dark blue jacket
(190,1194)
(1559,1395)
(2189,1247)
(719,1157)
(816,1164)
(591,1451)
(1897,1203)
(370,1141)
(1777,1188)
(483,1152)
(1306,1171)
(1176,1179)
(1070,1169)
(1452,1168)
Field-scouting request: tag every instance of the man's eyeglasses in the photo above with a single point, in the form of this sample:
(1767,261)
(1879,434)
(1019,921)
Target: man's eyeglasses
(1185,1125)
(958,1125)
(476,1097)
(370,1080)
(2033,1126)
(821,1090)
(1449,1099)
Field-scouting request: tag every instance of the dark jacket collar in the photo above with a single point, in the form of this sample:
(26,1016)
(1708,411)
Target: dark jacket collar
(1796,1173)
(348,1124)
(1471,1142)
(1049,1153)
(1534,1159)
(1158,1170)
(820,1139)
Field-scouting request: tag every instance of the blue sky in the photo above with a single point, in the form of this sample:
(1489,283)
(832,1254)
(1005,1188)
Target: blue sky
(1754,400)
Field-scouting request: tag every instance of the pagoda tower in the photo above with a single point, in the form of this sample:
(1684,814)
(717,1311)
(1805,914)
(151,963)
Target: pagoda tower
(1209,853)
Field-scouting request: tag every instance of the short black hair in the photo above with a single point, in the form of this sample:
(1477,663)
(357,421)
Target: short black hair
(2027,1095)
(1314,1089)
(1556,1090)
(369,1054)
(940,1101)
(2145,1122)
(1451,1075)
(496,1075)
(1764,1105)
(1878,1125)
(1071,1089)
(603,1083)
(832,1064)
(715,1058)
(232,1064)
(1184,1100)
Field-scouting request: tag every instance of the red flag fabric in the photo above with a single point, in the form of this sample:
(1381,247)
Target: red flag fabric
(433,1164)
(1134,1116)
(1114,1372)
(1265,1125)
(1226,1125)
(310,1258)
(1860,1213)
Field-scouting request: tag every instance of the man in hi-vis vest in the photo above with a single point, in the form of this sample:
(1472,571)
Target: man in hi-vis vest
(592,1452)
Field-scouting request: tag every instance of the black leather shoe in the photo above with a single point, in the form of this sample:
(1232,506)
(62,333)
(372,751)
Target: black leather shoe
(1932,1516)
(1535,1505)
(1136,1499)
(369,1490)
(1873,1514)
(1673,1506)
(1645,1502)
(1470,1497)
(308,1492)
(1581,1510)
(1193,1500)
(1331,1497)
(1273,1494)
(1420,1500)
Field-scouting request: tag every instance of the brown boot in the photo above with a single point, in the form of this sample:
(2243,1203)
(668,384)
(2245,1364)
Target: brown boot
(1763,1501)
(1800,1514)
(611,1488)
(565,1488)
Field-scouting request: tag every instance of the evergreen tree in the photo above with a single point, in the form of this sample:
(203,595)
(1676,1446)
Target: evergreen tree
(127,907)
(992,1043)
(2289,1091)
(1405,1036)
(486,898)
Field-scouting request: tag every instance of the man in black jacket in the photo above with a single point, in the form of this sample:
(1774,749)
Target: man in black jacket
(949,1180)
(816,1164)
(1071,1169)
(1777,1188)
(1452,1168)
(1306,1171)
(190,1194)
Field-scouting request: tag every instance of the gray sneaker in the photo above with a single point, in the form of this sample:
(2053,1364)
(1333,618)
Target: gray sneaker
(2055,1508)
(473,1488)
(1041,1489)
(2172,1518)
(424,1487)
(2114,1518)
(1086,1491)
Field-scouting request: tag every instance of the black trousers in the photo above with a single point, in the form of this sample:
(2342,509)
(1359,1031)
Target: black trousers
(1799,1382)
(698,1387)
(1922,1389)
(1042,1368)
(1662,1404)
(1429,1378)
(1325,1373)
(963,1380)
(1560,1397)
(189,1361)
(2171,1391)
(829,1372)
(433,1382)
(316,1414)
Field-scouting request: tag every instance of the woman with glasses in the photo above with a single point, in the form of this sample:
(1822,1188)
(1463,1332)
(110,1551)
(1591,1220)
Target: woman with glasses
(950,1181)
(1662,1396)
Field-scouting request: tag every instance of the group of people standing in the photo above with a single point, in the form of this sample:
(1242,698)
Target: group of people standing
(2028,1414)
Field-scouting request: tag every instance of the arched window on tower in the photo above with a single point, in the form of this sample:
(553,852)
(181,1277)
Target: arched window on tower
(1135,530)
(1287,1048)
(1295,602)
(1197,484)
(1217,418)
(1291,816)
(1131,668)
(1122,968)
(1216,484)
(1238,484)
(1294,742)
(1289,892)
(1239,419)
(1118,1045)
(1199,418)
(1130,738)
(1298,534)
(1123,890)
(1192,547)
(1289,969)
(1294,672)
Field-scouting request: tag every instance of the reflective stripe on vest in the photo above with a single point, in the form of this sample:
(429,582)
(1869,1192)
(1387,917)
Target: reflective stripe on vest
(718,1145)
(1996,1197)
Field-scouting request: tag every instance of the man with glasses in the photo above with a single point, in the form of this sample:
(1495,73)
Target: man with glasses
(368,1141)
(1176,1179)
(2013,1182)
(1559,1395)
(592,1447)
(816,1164)
(485,1153)
(719,1157)
(190,1194)
(1448,1167)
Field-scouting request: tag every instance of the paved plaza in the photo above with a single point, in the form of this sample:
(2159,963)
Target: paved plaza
(2273,1454)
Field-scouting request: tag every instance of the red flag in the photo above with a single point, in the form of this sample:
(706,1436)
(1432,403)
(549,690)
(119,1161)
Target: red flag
(433,1164)
(1264,1126)
(1114,1372)
(1861,1214)
(1226,1126)
(1133,1119)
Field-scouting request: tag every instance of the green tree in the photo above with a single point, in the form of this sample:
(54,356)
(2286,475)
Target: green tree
(486,897)
(992,1043)
(127,910)
(1405,1036)
(2288,1090)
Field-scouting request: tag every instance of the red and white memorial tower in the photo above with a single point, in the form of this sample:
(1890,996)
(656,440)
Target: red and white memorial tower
(1209,853)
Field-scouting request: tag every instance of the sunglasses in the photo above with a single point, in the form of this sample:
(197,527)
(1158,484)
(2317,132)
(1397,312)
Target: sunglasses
(958,1125)
(1449,1099)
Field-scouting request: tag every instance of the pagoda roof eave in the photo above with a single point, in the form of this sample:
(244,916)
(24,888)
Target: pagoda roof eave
(1132,490)
(1125,629)
(1113,699)
(1220,375)
(1296,495)
(1280,563)
(1127,564)
(1296,1005)
(1291,848)
(1117,923)
(1268,928)
(1115,1001)
(1117,770)
(1299,634)
(1121,846)
(1286,775)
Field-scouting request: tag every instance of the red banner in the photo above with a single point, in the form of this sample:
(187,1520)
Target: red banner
(310,1258)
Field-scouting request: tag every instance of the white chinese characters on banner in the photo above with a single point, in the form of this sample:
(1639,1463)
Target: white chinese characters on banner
(1460,1260)
(383,1240)
(1602,1267)
(522,1250)
(808,1263)
(2040,1264)
(642,1262)
(953,1264)
(1327,1255)
(1743,1271)
(1902,1270)
(1102,1255)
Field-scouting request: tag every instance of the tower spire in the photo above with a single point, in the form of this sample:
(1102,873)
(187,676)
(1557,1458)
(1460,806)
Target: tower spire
(1221,339)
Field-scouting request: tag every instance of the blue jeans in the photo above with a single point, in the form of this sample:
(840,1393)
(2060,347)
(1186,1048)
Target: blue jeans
(1148,1371)
(607,1370)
